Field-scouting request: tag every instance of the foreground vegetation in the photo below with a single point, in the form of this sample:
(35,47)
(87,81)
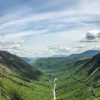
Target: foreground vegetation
(14,88)
(20,81)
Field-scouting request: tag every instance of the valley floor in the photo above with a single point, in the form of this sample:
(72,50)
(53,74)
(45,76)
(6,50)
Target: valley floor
(73,82)
(54,92)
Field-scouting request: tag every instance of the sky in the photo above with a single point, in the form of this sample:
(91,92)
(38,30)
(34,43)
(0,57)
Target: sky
(42,28)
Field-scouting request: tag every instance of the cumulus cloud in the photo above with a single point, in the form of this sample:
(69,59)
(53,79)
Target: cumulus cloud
(30,52)
(63,49)
(15,46)
(78,50)
(92,36)
(11,47)
(49,51)
(8,45)
(20,42)
(13,42)
(59,49)
(96,47)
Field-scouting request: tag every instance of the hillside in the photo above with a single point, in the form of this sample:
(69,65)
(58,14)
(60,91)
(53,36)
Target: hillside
(77,79)
(91,68)
(15,64)
(72,79)
(20,81)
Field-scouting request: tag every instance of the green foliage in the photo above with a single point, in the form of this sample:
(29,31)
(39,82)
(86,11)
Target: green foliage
(23,82)
(20,81)
(73,81)
(13,88)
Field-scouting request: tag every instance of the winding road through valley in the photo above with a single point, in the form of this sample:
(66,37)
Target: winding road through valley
(54,92)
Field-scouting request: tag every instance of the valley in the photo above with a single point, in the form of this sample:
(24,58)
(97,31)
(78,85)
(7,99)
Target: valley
(74,81)
(54,92)
(61,78)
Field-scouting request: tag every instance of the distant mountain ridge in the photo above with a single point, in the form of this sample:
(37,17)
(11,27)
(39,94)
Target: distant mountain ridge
(88,53)
(25,59)
(59,56)
(29,59)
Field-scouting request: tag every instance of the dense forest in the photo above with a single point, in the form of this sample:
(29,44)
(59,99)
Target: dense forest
(20,81)
(77,79)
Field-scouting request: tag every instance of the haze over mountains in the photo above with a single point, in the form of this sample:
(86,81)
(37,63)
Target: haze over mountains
(88,53)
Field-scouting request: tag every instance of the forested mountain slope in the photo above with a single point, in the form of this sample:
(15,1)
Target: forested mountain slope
(15,64)
(20,81)
(77,79)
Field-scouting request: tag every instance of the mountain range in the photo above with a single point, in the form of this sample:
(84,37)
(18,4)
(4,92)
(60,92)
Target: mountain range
(88,53)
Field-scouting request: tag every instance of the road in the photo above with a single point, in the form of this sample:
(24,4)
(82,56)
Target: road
(54,92)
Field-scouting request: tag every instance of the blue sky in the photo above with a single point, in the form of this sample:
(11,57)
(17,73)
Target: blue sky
(49,27)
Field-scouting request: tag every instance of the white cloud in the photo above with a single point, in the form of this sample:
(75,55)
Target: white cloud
(78,50)
(48,52)
(15,47)
(20,42)
(1,40)
(96,47)
(58,49)
(63,49)
(8,45)
(92,36)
